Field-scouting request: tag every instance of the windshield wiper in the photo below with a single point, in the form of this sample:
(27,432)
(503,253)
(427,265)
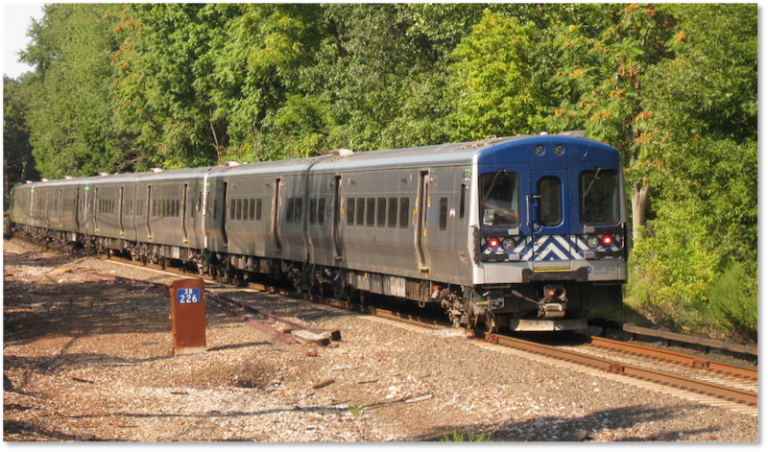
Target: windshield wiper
(594,178)
(493,182)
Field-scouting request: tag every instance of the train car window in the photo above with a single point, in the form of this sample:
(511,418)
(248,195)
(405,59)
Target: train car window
(312,210)
(289,211)
(321,210)
(361,211)
(232,205)
(392,213)
(500,199)
(405,211)
(350,211)
(239,209)
(381,212)
(251,209)
(443,214)
(463,201)
(370,214)
(297,210)
(258,209)
(550,204)
(599,191)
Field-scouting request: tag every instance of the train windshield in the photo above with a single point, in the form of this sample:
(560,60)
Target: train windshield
(500,199)
(599,197)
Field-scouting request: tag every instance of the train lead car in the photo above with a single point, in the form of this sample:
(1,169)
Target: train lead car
(524,232)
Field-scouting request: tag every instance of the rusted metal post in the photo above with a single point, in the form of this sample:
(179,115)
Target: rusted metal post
(188,316)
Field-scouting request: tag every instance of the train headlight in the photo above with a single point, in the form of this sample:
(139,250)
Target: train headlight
(493,242)
(508,243)
(606,241)
(593,242)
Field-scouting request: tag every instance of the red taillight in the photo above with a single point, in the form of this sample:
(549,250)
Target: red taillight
(493,243)
(607,240)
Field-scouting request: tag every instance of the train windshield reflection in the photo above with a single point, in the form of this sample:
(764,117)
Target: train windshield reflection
(599,197)
(500,203)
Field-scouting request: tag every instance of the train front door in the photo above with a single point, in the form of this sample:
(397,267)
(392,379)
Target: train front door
(549,226)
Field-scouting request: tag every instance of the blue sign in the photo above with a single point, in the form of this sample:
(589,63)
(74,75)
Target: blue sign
(188,296)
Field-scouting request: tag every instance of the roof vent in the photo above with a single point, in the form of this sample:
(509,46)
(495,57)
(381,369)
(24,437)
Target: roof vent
(543,133)
(67,177)
(103,174)
(574,133)
(43,180)
(342,152)
(29,181)
(231,164)
(156,170)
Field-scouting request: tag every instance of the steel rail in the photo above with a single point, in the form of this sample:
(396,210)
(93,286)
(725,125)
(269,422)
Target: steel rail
(688,384)
(686,360)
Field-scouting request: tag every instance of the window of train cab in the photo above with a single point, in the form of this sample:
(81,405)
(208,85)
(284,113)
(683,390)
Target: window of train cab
(499,200)
(599,193)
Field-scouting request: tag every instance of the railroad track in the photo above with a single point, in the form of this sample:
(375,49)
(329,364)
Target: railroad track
(697,385)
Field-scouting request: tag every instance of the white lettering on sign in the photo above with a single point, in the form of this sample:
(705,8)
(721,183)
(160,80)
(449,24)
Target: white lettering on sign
(187,296)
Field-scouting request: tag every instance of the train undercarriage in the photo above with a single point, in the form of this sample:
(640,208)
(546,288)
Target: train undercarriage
(521,307)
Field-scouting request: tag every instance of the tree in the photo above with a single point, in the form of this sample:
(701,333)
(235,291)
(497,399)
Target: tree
(70,115)
(702,143)
(18,162)
(491,72)
(254,84)
(163,55)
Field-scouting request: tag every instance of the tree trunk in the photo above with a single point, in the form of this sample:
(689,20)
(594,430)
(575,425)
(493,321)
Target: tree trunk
(640,195)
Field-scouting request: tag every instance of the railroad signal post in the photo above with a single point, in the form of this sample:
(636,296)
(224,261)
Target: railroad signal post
(188,316)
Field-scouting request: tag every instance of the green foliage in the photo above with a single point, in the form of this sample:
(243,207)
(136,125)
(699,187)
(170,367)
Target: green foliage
(470,437)
(701,151)
(733,306)
(357,409)
(491,71)
(18,162)
(70,116)
(157,100)
(257,61)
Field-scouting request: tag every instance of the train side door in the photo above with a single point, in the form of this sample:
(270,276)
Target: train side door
(120,211)
(422,216)
(336,232)
(77,210)
(547,219)
(88,210)
(276,215)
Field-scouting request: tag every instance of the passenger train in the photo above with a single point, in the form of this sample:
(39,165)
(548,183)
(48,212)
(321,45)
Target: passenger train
(524,232)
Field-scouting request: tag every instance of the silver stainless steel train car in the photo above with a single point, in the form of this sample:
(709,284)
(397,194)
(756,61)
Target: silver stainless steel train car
(526,232)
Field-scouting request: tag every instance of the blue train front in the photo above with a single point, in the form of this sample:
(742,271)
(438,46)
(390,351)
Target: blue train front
(550,237)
